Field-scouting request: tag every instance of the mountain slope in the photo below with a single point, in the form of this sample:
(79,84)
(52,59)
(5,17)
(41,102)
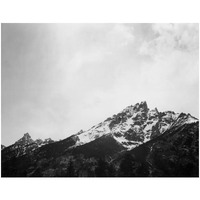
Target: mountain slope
(103,147)
(173,154)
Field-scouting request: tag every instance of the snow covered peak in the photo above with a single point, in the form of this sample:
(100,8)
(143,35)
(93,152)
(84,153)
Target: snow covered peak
(191,119)
(134,125)
(26,145)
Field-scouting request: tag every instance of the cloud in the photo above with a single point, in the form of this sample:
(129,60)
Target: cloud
(170,38)
(173,73)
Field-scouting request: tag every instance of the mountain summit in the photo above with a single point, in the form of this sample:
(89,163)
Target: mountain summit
(25,140)
(23,146)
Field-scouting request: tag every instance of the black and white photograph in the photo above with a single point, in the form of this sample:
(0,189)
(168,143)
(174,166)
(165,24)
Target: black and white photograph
(100,100)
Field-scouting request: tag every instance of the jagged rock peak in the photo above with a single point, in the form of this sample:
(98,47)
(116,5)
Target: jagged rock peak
(27,135)
(143,106)
(155,109)
(137,107)
(143,103)
(25,139)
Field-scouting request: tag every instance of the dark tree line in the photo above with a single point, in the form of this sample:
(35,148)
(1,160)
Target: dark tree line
(105,169)
(70,169)
(129,167)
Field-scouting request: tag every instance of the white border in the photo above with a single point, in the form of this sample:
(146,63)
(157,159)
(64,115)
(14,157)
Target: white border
(100,11)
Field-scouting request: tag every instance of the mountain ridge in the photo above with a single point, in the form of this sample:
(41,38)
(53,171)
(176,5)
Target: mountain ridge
(24,145)
(129,110)
(133,126)
(135,129)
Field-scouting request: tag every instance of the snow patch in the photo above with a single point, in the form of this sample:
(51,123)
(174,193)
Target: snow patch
(191,120)
(93,133)
(126,143)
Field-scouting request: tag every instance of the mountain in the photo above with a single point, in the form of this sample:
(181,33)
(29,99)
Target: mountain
(137,141)
(135,125)
(24,145)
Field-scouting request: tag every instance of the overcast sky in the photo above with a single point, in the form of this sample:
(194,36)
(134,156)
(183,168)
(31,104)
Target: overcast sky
(60,78)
